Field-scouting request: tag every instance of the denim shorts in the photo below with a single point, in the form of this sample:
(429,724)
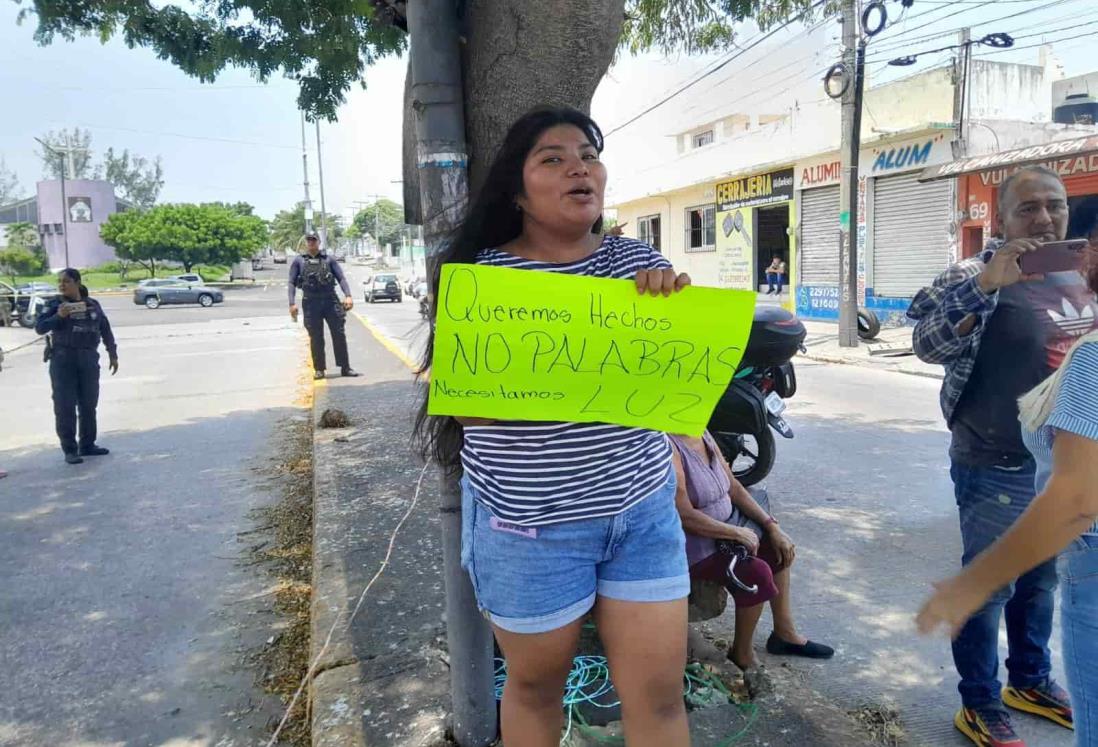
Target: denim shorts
(538,579)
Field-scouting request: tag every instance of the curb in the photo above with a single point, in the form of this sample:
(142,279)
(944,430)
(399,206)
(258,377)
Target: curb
(823,358)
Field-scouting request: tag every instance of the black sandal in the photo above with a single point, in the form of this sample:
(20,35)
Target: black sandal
(809,650)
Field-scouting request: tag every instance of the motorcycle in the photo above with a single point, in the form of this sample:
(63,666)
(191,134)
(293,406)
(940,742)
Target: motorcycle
(754,402)
(36,304)
(424,307)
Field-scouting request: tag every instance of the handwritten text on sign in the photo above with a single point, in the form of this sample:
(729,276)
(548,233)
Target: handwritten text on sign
(526,345)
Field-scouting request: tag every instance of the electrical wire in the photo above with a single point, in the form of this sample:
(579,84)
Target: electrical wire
(190,137)
(358,605)
(1039,44)
(1055,31)
(713,70)
(589,684)
(892,47)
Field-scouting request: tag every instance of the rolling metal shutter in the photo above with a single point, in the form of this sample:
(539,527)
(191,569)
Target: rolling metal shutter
(819,249)
(910,233)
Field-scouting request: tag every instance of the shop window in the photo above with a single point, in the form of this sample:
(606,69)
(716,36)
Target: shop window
(701,228)
(648,230)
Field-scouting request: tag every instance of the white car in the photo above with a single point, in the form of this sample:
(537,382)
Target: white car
(383,285)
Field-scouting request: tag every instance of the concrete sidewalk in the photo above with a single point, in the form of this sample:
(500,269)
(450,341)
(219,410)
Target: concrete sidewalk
(886,353)
(384,679)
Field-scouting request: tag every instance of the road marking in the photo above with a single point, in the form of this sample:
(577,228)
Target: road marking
(391,346)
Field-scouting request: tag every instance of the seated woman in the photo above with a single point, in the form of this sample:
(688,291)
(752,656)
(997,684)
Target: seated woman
(713,506)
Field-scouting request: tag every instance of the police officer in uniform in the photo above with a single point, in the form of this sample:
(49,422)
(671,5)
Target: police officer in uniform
(317,274)
(76,325)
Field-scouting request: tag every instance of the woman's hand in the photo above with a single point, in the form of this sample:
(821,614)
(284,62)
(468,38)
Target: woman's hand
(745,537)
(783,545)
(953,602)
(663,281)
(64,310)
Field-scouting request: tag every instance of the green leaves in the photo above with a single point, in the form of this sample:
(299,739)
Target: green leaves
(699,26)
(384,220)
(288,228)
(325,45)
(185,233)
(138,180)
(16,260)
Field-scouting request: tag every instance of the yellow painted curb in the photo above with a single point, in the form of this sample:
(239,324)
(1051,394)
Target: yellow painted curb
(389,344)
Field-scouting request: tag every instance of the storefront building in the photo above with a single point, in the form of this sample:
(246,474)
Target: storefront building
(903,229)
(978,179)
(753,215)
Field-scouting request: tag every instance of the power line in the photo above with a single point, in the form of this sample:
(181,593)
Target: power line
(740,53)
(808,30)
(1040,44)
(891,47)
(188,137)
(1054,31)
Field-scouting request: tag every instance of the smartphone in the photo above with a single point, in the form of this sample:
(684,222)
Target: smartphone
(78,307)
(1055,256)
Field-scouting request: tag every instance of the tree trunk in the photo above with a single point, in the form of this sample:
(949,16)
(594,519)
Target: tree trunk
(525,53)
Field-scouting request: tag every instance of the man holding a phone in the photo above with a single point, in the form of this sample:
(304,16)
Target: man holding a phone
(1000,323)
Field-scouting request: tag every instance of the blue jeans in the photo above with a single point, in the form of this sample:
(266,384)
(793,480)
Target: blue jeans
(774,280)
(990,500)
(1078,568)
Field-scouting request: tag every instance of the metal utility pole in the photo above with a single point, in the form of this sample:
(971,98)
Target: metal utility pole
(854,67)
(69,151)
(305,170)
(67,156)
(442,165)
(320,179)
(961,65)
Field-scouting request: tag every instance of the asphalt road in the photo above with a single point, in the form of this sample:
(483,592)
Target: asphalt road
(127,612)
(864,490)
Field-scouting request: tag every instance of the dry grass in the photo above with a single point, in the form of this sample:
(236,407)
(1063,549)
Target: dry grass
(882,723)
(287,555)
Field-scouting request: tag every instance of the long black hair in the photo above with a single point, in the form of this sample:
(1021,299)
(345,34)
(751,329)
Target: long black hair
(73,274)
(493,220)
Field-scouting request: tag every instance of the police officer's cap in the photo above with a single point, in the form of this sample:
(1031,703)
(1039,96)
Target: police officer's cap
(312,235)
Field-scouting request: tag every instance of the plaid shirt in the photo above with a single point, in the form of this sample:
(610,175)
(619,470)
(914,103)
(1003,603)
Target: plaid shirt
(939,310)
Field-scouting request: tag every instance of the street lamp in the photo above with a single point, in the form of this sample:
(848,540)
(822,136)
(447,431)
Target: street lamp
(64,205)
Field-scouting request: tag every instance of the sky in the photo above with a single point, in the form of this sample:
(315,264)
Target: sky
(237,139)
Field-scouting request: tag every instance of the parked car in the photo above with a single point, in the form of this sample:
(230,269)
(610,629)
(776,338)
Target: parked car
(420,289)
(383,285)
(192,278)
(156,293)
(23,303)
(31,289)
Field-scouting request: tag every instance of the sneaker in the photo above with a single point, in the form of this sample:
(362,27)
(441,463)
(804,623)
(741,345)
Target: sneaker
(72,458)
(348,371)
(987,727)
(318,375)
(94,450)
(1050,700)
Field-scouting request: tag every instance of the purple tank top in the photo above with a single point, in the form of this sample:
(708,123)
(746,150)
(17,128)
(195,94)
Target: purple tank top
(707,485)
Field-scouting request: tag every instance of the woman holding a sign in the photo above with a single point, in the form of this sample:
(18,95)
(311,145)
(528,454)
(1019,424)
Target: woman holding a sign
(560,518)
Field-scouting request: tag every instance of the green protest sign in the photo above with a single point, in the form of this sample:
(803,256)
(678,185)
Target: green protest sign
(526,345)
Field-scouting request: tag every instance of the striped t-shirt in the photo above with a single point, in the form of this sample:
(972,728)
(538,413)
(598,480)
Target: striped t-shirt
(546,473)
(1075,411)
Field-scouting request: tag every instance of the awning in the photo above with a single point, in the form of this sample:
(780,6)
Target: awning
(1017,157)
